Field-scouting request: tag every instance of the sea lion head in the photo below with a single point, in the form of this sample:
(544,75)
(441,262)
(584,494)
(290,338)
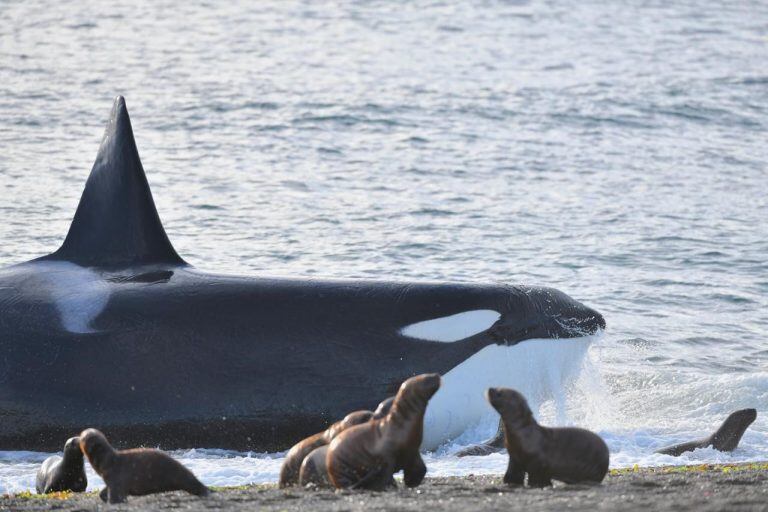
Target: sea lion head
(350,420)
(383,408)
(729,434)
(421,386)
(511,405)
(96,447)
(72,449)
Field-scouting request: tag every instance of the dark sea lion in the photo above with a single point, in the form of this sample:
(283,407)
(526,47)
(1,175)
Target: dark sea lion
(492,445)
(291,468)
(570,455)
(136,472)
(366,456)
(725,439)
(65,473)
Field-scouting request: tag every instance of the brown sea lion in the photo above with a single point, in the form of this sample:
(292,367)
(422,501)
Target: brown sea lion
(313,468)
(65,473)
(570,455)
(383,408)
(136,472)
(366,456)
(725,439)
(290,471)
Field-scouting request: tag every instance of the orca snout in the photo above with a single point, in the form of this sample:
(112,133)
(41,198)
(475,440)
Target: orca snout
(566,317)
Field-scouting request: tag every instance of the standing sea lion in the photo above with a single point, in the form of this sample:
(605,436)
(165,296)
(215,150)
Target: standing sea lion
(65,473)
(366,456)
(313,468)
(136,472)
(725,439)
(289,471)
(567,454)
(291,468)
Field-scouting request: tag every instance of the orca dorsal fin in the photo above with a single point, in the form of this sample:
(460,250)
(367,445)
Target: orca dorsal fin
(116,223)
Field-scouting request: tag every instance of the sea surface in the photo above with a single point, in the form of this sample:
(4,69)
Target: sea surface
(617,151)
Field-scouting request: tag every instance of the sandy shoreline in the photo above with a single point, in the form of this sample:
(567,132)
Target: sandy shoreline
(706,487)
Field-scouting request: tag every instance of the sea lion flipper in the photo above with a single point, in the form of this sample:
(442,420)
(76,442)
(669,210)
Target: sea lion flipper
(515,474)
(414,472)
(104,494)
(536,479)
(377,478)
(115,495)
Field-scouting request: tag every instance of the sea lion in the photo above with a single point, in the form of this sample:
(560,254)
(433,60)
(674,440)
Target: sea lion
(492,445)
(291,468)
(313,468)
(570,455)
(383,408)
(725,439)
(65,473)
(136,472)
(290,471)
(366,456)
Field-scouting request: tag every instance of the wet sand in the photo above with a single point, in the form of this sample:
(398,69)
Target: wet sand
(700,488)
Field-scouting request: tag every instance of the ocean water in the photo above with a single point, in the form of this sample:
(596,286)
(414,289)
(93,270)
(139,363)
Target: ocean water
(616,151)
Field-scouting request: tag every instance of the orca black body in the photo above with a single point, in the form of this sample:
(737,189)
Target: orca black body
(115,330)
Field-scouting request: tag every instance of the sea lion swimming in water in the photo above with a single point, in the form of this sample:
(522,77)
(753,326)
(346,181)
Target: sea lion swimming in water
(570,455)
(366,456)
(492,445)
(314,469)
(66,473)
(136,472)
(290,471)
(725,439)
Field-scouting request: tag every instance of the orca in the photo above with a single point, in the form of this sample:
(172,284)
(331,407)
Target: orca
(115,330)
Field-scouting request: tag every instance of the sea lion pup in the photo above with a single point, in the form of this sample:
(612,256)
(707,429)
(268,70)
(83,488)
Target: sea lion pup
(313,469)
(570,455)
(366,456)
(65,473)
(290,471)
(492,445)
(725,439)
(136,472)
